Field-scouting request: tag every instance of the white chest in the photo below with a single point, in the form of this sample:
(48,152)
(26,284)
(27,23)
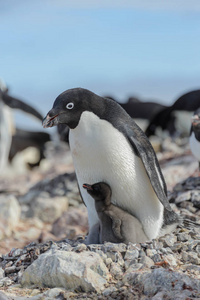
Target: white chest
(102,153)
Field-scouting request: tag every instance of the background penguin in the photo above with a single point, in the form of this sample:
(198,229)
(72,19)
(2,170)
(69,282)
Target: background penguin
(14,140)
(7,128)
(116,225)
(175,119)
(23,139)
(195,135)
(107,145)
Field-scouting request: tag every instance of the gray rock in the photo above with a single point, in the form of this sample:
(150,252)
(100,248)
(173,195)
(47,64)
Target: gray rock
(80,248)
(146,261)
(177,247)
(116,271)
(1,273)
(4,296)
(185,196)
(195,198)
(71,270)
(133,268)
(163,280)
(156,258)
(115,256)
(48,209)
(131,254)
(108,247)
(193,244)
(172,261)
(5,282)
(9,215)
(151,252)
(190,257)
(198,250)
(169,240)
(109,291)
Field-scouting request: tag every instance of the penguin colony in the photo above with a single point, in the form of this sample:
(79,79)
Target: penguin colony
(107,146)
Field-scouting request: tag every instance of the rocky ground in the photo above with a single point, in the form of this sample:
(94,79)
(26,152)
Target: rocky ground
(43,223)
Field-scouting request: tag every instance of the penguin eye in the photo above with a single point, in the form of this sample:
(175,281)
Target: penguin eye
(70,105)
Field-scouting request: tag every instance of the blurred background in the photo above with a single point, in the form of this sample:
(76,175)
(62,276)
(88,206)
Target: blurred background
(146,49)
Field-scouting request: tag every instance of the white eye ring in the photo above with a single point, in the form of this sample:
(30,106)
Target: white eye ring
(70,105)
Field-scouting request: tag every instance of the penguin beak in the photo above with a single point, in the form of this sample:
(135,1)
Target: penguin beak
(51,118)
(88,187)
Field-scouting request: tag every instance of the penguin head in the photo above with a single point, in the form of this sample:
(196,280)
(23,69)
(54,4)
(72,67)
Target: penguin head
(69,106)
(100,191)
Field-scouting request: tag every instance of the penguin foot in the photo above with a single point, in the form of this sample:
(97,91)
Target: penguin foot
(93,236)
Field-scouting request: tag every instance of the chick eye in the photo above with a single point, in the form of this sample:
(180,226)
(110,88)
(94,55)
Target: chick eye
(70,105)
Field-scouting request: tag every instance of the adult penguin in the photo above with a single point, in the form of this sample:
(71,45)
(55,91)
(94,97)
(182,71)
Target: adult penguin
(108,146)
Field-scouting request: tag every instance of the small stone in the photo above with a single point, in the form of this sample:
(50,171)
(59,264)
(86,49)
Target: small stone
(134,268)
(131,254)
(151,252)
(109,291)
(80,248)
(108,247)
(193,244)
(186,196)
(17,252)
(190,257)
(198,250)
(177,247)
(146,261)
(156,258)
(157,244)
(108,261)
(183,237)
(132,246)
(5,282)
(171,260)
(169,240)
(35,292)
(142,253)
(1,273)
(116,271)
(196,199)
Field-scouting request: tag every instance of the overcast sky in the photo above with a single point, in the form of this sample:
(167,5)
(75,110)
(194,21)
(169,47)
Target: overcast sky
(150,49)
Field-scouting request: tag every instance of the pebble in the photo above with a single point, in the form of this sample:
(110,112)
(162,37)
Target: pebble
(129,266)
(116,271)
(146,261)
(183,237)
(5,282)
(131,254)
(1,273)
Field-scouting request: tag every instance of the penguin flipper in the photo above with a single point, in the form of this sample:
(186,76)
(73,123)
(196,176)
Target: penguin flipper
(116,225)
(19,104)
(146,152)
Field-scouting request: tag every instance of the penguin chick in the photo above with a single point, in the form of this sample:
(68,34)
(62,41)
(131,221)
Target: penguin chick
(116,225)
(195,135)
